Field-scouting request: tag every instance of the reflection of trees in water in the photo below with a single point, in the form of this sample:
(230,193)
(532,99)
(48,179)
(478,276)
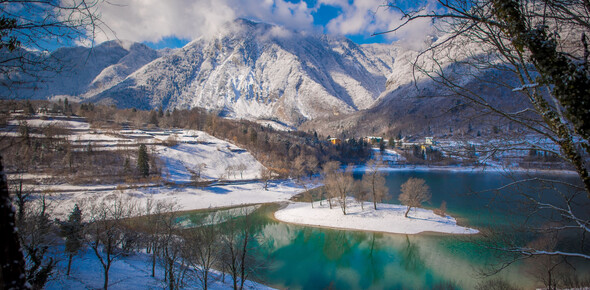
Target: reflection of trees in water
(336,244)
(411,260)
(375,262)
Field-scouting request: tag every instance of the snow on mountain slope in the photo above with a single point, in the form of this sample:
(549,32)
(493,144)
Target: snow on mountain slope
(257,70)
(219,159)
(138,55)
(79,71)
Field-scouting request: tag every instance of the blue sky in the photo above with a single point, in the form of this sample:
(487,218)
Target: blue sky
(173,23)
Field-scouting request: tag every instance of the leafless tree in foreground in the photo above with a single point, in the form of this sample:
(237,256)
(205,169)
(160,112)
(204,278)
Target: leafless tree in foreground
(237,246)
(302,166)
(329,169)
(374,181)
(32,25)
(340,185)
(414,192)
(170,245)
(107,229)
(537,50)
(202,249)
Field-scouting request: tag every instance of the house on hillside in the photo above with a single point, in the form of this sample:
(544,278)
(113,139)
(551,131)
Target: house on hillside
(335,141)
(373,139)
(429,141)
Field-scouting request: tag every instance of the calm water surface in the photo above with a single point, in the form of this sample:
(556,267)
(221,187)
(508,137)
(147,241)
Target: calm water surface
(299,257)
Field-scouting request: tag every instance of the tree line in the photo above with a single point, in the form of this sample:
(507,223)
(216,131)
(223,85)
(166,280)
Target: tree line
(116,226)
(341,188)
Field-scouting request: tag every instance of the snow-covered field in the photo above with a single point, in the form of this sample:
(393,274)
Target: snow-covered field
(215,158)
(387,218)
(130,272)
(187,198)
(196,150)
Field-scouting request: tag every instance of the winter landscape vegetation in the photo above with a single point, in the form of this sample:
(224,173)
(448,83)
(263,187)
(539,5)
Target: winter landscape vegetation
(279,146)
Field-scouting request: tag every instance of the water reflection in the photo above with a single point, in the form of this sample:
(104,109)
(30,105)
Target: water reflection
(307,257)
(300,257)
(410,258)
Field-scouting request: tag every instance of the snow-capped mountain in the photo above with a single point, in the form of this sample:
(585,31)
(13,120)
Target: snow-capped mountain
(78,71)
(257,70)
(247,70)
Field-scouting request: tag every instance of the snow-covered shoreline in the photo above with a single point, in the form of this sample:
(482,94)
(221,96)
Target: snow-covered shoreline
(388,218)
(465,169)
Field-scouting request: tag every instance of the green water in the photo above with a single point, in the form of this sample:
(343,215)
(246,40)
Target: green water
(298,257)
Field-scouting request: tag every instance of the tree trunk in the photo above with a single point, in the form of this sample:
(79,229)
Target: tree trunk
(170,274)
(106,277)
(69,264)
(407,211)
(243,262)
(154,261)
(11,257)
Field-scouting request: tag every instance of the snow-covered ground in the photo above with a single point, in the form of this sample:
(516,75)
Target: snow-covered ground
(187,198)
(130,272)
(387,218)
(196,150)
(215,158)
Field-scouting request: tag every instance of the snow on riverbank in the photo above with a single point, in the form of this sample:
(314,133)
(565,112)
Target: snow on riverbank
(130,272)
(187,198)
(388,218)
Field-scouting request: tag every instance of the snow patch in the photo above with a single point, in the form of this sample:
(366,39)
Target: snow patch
(387,218)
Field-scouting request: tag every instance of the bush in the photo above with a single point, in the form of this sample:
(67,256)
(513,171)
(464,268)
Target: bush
(442,210)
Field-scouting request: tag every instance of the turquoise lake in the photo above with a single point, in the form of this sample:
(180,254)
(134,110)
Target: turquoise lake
(300,257)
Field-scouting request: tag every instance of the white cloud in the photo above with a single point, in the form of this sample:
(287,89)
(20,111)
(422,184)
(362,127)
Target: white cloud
(152,20)
(371,16)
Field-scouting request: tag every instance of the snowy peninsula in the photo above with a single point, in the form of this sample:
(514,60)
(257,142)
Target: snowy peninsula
(388,218)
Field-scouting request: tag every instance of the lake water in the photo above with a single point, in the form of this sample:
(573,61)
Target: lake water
(299,257)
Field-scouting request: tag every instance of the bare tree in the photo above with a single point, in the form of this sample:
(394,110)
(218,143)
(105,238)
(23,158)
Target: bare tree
(37,235)
(340,186)
(154,211)
(329,169)
(414,192)
(202,249)
(241,168)
(360,193)
(229,170)
(442,210)
(107,230)
(170,244)
(31,24)
(237,247)
(265,176)
(538,50)
(28,26)
(299,172)
(375,182)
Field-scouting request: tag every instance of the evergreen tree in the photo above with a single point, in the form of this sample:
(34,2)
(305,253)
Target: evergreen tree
(72,232)
(154,118)
(143,164)
(29,108)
